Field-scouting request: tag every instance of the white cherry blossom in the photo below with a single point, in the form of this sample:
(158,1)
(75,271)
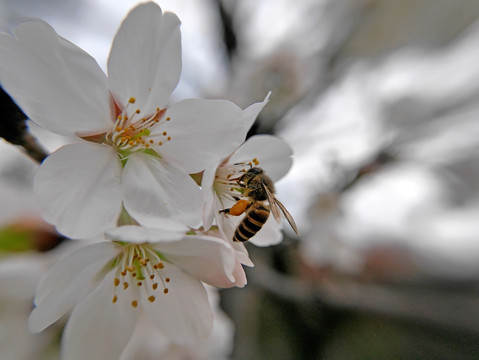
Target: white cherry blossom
(155,274)
(220,187)
(131,147)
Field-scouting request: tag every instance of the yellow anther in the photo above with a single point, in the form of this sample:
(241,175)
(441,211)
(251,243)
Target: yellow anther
(132,100)
(116,281)
(160,143)
(142,262)
(168,138)
(125,285)
(165,291)
(154,286)
(137,111)
(167,279)
(134,303)
(115,299)
(151,298)
(161,265)
(152,277)
(164,133)
(168,118)
(139,283)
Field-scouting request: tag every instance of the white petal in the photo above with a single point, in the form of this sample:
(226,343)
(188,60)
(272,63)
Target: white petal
(67,283)
(202,133)
(68,268)
(207,258)
(273,154)
(208,196)
(269,235)
(241,254)
(184,314)
(78,189)
(168,231)
(153,188)
(145,58)
(59,86)
(97,328)
(251,112)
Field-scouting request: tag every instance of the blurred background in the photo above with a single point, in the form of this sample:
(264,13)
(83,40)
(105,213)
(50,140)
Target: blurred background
(379,101)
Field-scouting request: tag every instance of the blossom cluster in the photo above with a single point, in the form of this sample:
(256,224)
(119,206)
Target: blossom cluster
(142,184)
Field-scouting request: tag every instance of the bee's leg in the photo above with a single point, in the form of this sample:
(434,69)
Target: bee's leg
(225,211)
(239,208)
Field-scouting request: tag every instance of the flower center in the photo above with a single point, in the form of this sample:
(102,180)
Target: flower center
(134,131)
(140,267)
(226,178)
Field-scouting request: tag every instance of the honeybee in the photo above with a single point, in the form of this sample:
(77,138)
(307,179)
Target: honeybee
(259,189)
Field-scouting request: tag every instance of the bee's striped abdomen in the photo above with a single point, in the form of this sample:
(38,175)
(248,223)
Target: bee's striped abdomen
(253,221)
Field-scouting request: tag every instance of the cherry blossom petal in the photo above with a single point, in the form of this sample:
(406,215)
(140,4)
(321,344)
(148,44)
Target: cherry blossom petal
(97,328)
(251,112)
(184,314)
(145,58)
(153,187)
(241,254)
(208,196)
(78,189)
(69,269)
(59,303)
(273,154)
(167,231)
(59,86)
(202,133)
(270,234)
(205,257)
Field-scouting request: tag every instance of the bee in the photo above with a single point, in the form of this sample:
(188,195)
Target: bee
(259,189)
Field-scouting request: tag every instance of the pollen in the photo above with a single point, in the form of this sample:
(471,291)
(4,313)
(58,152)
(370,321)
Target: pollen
(132,100)
(140,265)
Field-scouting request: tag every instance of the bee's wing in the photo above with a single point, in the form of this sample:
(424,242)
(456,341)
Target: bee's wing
(287,215)
(272,204)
